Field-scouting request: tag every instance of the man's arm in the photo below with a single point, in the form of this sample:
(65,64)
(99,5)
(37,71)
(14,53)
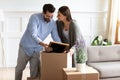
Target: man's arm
(32,28)
(54,34)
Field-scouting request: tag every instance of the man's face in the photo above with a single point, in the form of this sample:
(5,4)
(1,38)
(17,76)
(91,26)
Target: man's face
(48,16)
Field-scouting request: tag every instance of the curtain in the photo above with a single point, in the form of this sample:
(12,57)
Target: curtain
(2,50)
(1,40)
(113,20)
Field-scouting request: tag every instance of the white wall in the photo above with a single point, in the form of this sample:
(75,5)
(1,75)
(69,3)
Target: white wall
(91,16)
(36,5)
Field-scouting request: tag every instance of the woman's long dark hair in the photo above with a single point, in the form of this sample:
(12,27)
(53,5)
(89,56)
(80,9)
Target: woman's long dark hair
(66,12)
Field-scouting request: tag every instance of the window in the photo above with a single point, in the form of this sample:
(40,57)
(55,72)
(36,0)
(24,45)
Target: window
(117,38)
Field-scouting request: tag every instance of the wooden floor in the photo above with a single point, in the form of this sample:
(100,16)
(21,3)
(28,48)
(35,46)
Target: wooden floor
(9,74)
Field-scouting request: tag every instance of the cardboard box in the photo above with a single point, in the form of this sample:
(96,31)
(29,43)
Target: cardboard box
(52,65)
(73,74)
(29,78)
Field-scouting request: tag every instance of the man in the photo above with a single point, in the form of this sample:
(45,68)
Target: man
(40,25)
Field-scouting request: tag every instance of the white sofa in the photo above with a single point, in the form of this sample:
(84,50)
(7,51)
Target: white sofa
(106,59)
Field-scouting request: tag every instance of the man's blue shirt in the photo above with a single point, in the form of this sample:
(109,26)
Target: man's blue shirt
(37,30)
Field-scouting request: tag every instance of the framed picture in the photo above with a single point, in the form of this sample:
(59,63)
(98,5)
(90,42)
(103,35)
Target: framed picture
(58,47)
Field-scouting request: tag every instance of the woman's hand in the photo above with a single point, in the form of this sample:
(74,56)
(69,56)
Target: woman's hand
(71,51)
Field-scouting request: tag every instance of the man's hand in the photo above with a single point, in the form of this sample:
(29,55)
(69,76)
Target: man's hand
(48,49)
(43,44)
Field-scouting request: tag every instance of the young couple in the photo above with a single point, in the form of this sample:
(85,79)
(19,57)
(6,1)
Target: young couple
(40,25)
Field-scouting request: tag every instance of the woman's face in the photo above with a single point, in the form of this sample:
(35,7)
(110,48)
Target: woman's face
(61,17)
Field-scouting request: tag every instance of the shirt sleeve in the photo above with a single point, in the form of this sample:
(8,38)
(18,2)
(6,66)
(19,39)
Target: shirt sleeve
(32,28)
(79,37)
(54,34)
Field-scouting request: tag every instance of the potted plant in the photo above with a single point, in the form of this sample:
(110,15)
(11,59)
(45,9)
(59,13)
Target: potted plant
(81,55)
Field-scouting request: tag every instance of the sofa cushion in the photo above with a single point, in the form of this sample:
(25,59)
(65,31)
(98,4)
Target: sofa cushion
(103,53)
(107,69)
(115,78)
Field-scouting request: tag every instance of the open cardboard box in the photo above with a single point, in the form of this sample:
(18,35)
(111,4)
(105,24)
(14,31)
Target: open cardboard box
(52,65)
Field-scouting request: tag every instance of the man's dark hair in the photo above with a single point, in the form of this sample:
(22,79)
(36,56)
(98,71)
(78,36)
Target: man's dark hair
(48,7)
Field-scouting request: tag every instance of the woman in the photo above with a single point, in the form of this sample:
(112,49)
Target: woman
(68,30)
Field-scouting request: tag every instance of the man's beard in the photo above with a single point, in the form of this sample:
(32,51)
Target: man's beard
(47,19)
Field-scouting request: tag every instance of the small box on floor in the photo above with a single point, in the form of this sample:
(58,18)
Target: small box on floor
(72,74)
(29,78)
